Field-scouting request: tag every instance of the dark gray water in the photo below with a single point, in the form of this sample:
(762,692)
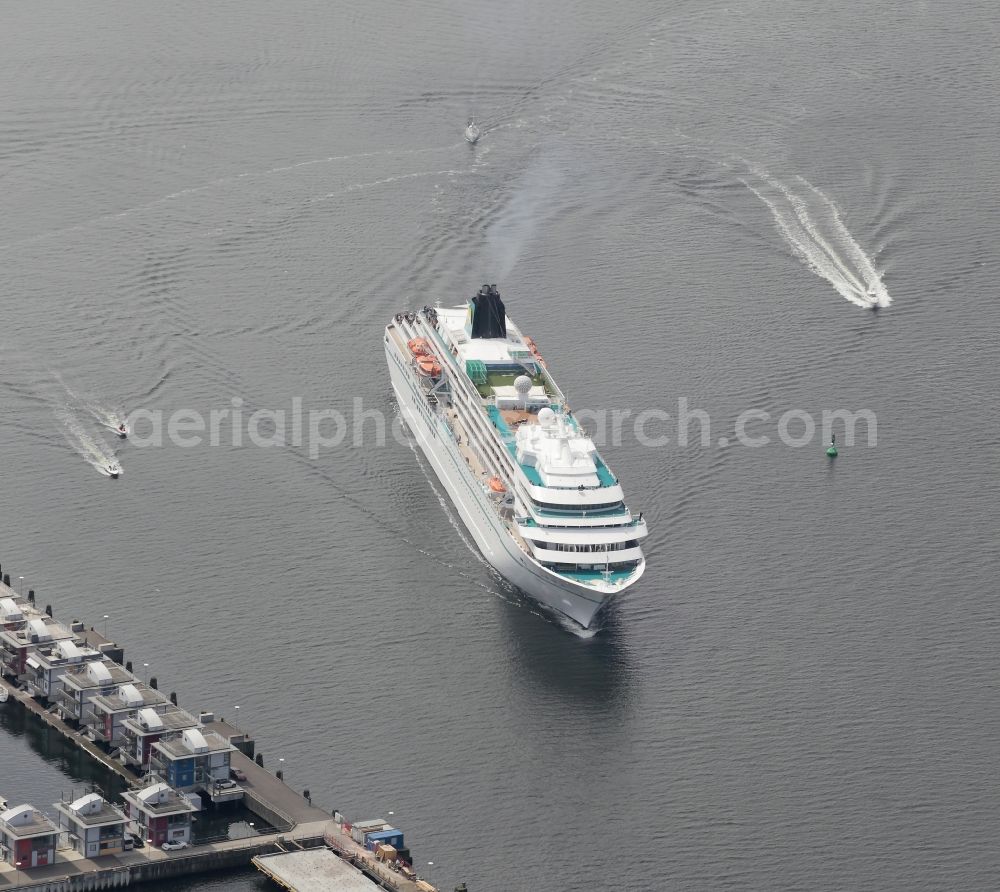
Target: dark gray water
(209,201)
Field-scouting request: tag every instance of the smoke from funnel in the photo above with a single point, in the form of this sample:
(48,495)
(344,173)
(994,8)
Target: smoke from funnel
(532,198)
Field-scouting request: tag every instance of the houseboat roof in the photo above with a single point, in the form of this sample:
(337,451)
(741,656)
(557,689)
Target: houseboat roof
(92,810)
(25,822)
(43,629)
(133,695)
(97,674)
(158,800)
(149,721)
(193,742)
(10,611)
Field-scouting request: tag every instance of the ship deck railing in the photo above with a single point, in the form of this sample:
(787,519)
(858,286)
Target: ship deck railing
(455,427)
(528,521)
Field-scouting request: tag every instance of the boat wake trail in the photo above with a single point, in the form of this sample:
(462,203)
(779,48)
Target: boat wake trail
(105,415)
(69,408)
(95,453)
(810,222)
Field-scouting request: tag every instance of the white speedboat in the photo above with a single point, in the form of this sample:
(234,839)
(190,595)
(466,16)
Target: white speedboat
(113,471)
(472,133)
(122,430)
(526,479)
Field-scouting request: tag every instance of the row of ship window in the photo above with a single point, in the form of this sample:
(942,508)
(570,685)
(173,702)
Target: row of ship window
(588,548)
(609,507)
(563,568)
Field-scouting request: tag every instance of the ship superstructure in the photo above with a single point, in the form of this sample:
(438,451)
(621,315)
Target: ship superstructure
(526,479)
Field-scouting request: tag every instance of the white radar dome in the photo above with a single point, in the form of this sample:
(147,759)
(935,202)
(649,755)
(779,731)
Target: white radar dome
(522,384)
(546,417)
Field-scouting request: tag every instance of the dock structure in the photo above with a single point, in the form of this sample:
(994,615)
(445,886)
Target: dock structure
(339,840)
(72,872)
(303,848)
(313,870)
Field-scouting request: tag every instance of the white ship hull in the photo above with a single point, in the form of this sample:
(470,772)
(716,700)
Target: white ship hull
(578,601)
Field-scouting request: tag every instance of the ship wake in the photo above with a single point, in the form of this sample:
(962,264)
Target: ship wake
(811,224)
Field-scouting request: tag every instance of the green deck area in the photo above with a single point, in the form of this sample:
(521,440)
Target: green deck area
(506,379)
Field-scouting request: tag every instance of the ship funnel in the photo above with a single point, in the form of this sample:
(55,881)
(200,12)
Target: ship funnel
(488,315)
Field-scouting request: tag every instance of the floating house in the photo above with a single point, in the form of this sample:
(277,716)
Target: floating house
(80,685)
(109,711)
(148,726)
(196,759)
(93,826)
(162,813)
(27,837)
(45,668)
(20,640)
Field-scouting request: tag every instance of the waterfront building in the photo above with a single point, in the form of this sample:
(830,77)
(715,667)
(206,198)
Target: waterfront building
(27,837)
(148,726)
(106,722)
(45,668)
(93,826)
(162,813)
(196,759)
(81,684)
(20,640)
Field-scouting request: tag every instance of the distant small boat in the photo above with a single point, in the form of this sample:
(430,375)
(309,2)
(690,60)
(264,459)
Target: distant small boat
(122,430)
(472,133)
(113,471)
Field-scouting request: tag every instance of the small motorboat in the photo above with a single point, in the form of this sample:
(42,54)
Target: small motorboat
(113,471)
(122,430)
(472,133)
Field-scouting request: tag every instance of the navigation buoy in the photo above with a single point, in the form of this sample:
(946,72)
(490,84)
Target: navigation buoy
(832,450)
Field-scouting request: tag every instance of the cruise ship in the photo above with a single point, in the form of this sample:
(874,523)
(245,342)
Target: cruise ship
(527,481)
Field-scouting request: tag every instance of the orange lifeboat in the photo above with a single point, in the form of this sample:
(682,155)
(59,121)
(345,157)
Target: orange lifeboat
(428,365)
(419,346)
(496,485)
